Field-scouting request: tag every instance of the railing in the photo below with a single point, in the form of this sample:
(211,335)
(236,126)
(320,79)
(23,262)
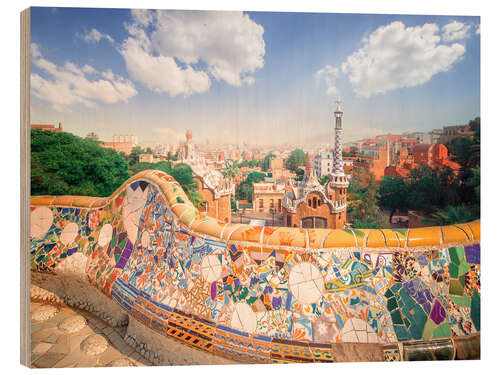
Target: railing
(267,294)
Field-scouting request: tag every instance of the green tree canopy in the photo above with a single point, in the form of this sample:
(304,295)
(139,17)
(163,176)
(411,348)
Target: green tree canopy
(182,173)
(245,190)
(296,159)
(64,164)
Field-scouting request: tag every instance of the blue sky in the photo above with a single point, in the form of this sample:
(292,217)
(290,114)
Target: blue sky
(253,77)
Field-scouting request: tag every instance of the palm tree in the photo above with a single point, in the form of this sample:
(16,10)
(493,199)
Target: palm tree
(452,215)
(230,170)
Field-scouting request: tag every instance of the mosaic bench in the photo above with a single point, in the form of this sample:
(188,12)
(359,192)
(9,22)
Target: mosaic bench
(266,294)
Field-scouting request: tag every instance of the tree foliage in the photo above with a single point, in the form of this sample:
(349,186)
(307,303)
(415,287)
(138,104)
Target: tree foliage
(64,164)
(366,213)
(182,173)
(296,159)
(245,190)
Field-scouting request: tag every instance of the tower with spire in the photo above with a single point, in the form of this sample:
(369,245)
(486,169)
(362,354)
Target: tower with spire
(312,205)
(338,181)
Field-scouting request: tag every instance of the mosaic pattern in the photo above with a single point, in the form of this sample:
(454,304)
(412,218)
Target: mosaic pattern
(251,302)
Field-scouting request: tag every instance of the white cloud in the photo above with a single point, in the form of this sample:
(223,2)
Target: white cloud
(179,51)
(95,36)
(395,56)
(35,50)
(68,85)
(329,74)
(455,31)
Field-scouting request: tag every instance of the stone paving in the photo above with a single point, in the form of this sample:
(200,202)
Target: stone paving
(67,337)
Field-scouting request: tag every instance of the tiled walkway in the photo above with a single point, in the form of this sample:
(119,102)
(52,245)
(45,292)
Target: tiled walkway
(53,347)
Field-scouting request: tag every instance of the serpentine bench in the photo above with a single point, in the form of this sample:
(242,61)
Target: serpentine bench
(146,257)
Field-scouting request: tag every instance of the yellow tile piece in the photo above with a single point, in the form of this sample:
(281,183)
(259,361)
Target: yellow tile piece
(340,238)
(42,200)
(375,239)
(401,237)
(453,234)
(426,236)
(475,226)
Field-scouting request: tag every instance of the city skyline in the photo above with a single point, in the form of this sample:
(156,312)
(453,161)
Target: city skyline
(254,77)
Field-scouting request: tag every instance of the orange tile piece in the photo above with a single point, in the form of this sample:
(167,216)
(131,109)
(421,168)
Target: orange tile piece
(467,230)
(84,201)
(208,226)
(453,234)
(317,236)
(391,238)
(100,202)
(340,238)
(475,226)
(64,200)
(241,233)
(295,237)
(426,236)
(42,200)
(375,239)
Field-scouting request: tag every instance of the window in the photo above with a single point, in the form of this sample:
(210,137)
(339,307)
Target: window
(288,220)
(261,203)
(314,202)
(279,204)
(271,205)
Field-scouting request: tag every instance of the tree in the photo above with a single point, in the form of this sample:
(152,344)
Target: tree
(230,170)
(92,136)
(182,173)
(296,159)
(453,215)
(367,214)
(133,157)
(393,195)
(64,164)
(245,191)
(323,180)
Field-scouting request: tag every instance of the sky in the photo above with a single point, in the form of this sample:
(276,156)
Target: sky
(253,77)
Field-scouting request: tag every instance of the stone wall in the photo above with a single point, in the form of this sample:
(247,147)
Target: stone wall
(265,294)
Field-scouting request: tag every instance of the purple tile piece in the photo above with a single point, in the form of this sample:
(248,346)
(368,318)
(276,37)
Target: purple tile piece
(276,302)
(422,260)
(473,254)
(127,251)
(438,313)
(213,291)
(134,185)
(72,251)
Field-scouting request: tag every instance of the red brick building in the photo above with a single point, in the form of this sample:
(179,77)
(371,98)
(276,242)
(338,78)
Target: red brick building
(48,127)
(373,159)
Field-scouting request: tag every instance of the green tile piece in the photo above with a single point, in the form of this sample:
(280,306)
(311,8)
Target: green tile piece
(429,328)
(396,317)
(475,310)
(443,330)
(392,304)
(388,294)
(453,268)
(464,268)
(453,255)
(406,322)
(114,241)
(456,288)
(461,301)
(401,332)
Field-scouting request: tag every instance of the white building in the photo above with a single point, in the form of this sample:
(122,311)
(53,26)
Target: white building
(323,164)
(132,138)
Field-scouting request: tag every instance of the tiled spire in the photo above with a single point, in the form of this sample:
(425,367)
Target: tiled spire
(338,164)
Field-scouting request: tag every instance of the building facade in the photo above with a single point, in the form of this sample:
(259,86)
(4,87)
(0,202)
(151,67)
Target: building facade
(212,186)
(312,205)
(370,161)
(267,197)
(125,147)
(48,127)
